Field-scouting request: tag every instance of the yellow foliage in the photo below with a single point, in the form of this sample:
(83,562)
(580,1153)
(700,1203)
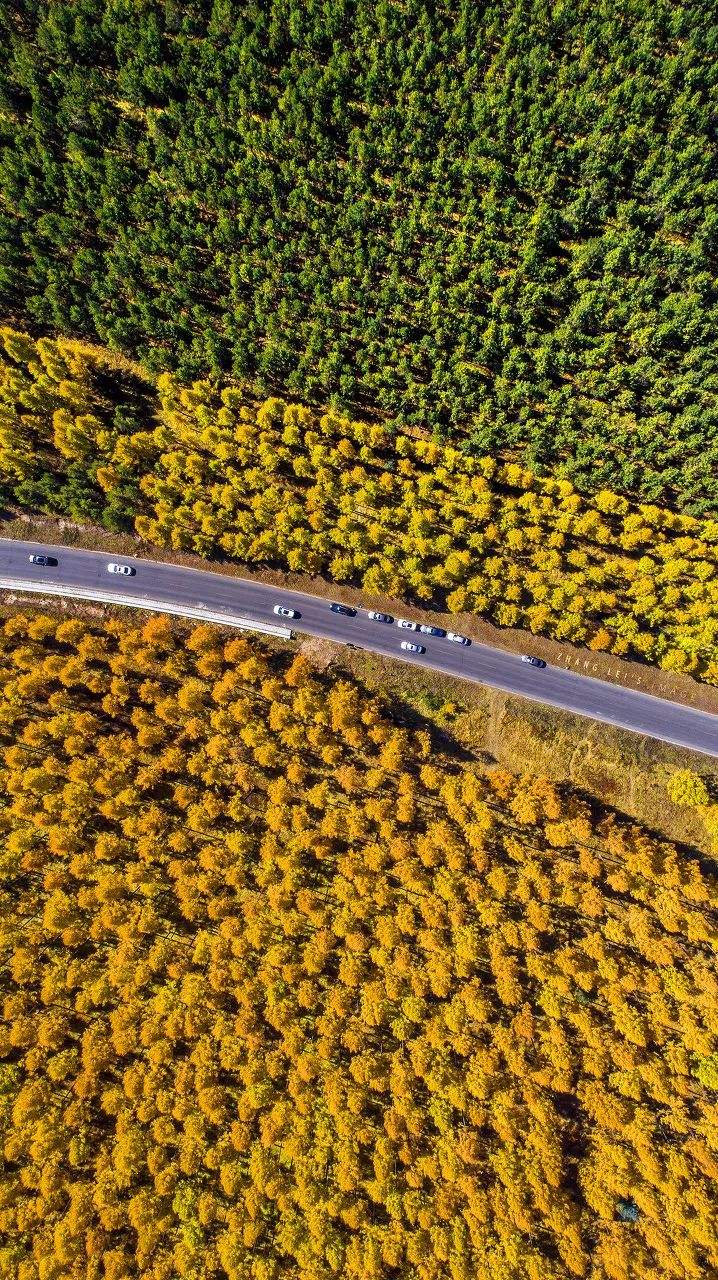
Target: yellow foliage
(207,472)
(260,1006)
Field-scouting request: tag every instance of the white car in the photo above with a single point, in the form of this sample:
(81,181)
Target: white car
(284,612)
(412,648)
(431,631)
(125,569)
(407,626)
(457,639)
(379,617)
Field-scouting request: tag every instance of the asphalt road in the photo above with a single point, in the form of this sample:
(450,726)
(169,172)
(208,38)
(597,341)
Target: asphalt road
(173,584)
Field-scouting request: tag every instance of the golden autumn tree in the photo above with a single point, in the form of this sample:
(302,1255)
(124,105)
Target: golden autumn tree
(354,1007)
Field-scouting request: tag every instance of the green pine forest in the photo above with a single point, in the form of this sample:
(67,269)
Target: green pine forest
(494,220)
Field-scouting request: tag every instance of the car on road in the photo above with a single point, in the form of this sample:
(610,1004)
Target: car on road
(125,569)
(432,631)
(533,662)
(379,617)
(407,626)
(343,608)
(412,648)
(44,560)
(457,639)
(284,612)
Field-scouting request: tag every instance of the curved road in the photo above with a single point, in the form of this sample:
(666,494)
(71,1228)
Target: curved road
(172,584)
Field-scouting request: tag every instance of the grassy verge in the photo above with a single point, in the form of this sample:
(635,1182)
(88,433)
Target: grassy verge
(621,769)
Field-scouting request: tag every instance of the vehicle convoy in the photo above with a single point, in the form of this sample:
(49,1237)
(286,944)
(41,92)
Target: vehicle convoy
(284,612)
(412,648)
(125,569)
(343,608)
(533,662)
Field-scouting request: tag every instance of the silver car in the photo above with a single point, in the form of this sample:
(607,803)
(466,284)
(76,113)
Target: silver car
(457,639)
(431,631)
(412,648)
(379,617)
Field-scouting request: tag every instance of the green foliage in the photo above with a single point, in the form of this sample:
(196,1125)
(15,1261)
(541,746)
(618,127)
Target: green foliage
(277,485)
(62,410)
(496,220)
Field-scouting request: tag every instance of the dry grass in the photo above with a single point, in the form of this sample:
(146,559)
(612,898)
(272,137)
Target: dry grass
(621,769)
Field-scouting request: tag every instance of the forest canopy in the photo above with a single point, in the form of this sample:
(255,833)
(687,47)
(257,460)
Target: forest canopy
(421,297)
(275,484)
(496,220)
(291,993)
